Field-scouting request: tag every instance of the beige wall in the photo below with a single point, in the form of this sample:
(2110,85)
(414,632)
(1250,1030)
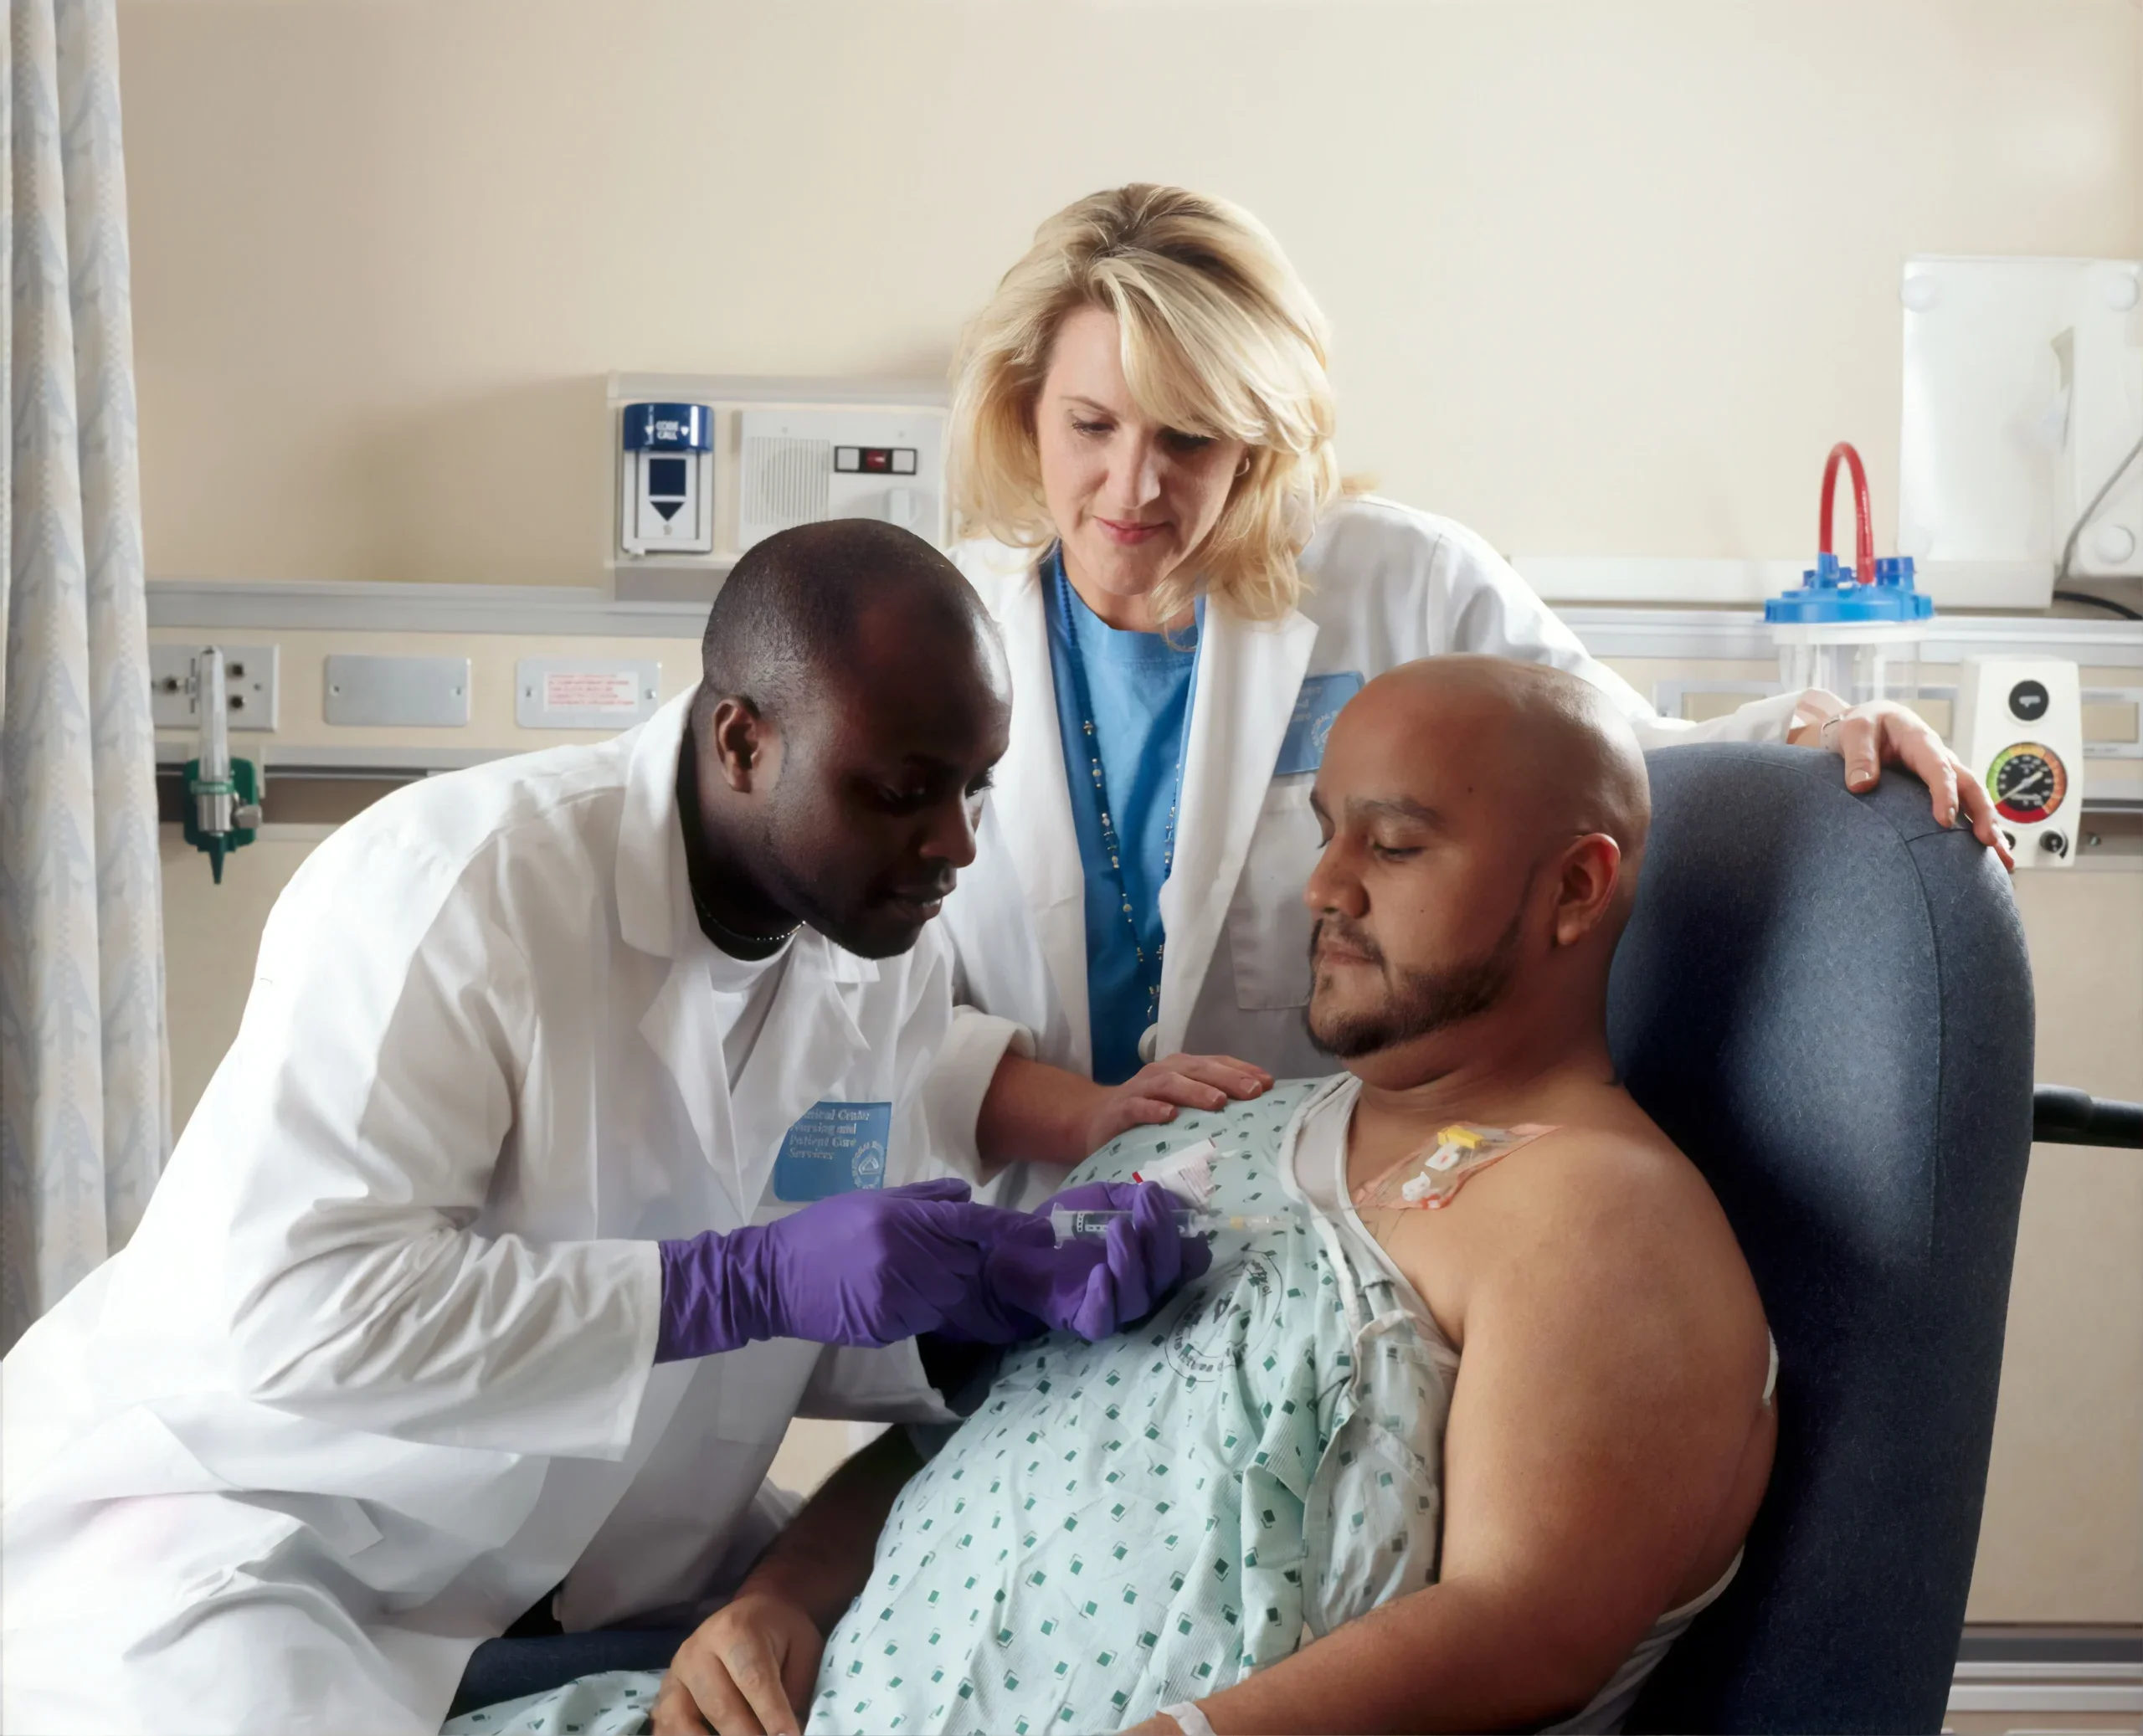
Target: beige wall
(1606,279)
(212,933)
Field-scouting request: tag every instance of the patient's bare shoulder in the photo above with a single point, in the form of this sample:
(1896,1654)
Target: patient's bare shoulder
(1613,1360)
(1606,1212)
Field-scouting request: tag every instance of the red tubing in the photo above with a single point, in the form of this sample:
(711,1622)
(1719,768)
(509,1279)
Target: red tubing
(1863,524)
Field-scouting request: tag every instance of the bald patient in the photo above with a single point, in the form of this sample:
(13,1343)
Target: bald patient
(1610,1433)
(1471,1412)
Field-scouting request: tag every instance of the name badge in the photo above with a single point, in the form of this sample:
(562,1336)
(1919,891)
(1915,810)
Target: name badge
(834,1148)
(1317,704)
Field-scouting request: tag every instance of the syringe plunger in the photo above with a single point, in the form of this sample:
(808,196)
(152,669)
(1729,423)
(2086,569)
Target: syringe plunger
(1093,1225)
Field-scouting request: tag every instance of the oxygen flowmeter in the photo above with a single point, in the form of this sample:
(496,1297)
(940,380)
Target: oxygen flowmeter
(1854,631)
(223,794)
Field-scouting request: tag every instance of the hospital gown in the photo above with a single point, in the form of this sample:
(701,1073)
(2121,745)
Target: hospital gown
(614,1703)
(1122,1525)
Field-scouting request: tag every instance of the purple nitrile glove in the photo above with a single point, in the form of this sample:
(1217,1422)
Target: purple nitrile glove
(868,1267)
(1093,1287)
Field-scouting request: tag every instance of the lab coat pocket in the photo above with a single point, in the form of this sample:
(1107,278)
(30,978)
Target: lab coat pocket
(1268,929)
(758,1388)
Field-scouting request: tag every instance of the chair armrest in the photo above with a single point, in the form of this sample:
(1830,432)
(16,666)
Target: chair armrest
(2062,1114)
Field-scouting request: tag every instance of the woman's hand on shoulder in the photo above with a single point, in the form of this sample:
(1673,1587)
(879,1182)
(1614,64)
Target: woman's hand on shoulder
(1881,732)
(1154,1093)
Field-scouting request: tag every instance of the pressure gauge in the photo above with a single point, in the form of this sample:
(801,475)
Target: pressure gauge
(2021,718)
(2028,782)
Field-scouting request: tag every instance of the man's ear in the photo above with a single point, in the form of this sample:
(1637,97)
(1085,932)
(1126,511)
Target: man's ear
(1584,890)
(746,744)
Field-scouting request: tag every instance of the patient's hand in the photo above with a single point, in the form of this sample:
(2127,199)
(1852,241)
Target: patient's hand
(743,1669)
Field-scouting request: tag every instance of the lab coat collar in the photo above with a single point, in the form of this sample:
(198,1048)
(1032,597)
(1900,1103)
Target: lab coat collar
(1033,800)
(812,1036)
(650,876)
(683,1025)
(1249,673)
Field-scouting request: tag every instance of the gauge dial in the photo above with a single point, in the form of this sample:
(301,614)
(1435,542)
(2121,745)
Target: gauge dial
(2027,781)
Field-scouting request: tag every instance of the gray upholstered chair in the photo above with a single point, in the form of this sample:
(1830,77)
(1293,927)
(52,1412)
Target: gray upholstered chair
(1824,999)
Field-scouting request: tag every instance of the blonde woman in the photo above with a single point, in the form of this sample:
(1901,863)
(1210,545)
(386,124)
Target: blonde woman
(1144,470)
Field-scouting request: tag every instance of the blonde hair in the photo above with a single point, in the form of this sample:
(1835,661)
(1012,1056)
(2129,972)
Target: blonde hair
(1220,338)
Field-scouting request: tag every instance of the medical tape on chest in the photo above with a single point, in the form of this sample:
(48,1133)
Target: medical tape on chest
(1430,1177)
(1187,1175)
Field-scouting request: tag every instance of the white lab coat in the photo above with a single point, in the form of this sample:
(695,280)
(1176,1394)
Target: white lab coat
(1383,585)
(376,1373)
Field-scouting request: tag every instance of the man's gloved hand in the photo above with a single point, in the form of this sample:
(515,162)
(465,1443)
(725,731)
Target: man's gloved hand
(868,1267)
(1093,1287)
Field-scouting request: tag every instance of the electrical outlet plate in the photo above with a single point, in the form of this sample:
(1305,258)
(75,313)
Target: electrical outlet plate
(250,685)
(397,692)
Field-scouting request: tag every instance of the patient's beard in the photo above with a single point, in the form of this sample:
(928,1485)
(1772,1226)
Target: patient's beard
(1419,1002)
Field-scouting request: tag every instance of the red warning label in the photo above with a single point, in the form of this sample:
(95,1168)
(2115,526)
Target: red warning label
(591,689)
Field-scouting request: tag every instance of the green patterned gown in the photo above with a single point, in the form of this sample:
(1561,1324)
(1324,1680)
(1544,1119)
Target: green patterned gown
(1148,1520)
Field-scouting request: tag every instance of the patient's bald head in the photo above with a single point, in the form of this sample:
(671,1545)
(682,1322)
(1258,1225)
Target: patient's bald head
(1485,819)
(853,699)
(1556,750)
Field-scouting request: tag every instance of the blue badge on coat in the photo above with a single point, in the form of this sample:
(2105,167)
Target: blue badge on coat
(835,1147)
(1317,704)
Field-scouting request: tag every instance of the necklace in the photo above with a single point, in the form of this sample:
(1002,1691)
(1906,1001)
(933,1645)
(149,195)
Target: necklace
(723,934)
(1112,848)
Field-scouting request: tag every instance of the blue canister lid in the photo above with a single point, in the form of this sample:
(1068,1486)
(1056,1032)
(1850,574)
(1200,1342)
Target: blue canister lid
(1830,592)
(669,428)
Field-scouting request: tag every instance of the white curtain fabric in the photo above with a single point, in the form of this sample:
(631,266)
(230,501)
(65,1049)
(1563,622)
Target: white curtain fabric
(85,1104)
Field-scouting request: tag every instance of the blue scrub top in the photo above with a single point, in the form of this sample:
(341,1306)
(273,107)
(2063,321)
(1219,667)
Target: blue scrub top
(1140,684)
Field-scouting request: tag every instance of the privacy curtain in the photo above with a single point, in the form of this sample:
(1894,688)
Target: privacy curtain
(85,1105)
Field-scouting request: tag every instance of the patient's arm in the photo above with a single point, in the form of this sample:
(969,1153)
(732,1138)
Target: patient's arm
(750,1664)
(1606,1448)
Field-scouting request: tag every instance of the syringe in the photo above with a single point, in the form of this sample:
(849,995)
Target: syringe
(1093,1226)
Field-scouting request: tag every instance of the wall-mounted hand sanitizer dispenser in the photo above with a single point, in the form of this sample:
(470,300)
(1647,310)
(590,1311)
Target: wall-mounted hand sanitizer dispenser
(666,479)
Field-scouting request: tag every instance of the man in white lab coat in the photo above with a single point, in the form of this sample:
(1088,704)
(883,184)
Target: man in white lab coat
(551,1173)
